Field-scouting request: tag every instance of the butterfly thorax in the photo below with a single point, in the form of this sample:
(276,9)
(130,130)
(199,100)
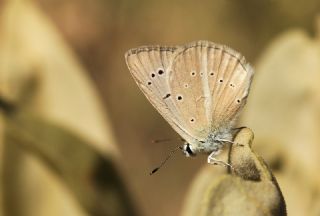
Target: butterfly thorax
(215,140)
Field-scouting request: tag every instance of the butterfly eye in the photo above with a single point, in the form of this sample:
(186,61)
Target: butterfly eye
(211,74)
(221,80)
(193,73)
(149,83)
(153,75)
(238,101)
(179,97)
(192,120)
(189,150)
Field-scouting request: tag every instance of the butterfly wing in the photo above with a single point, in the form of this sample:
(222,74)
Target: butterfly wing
(196,88)
(150,67)
(213,82)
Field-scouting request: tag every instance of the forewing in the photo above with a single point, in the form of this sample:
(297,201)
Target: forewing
(150,67)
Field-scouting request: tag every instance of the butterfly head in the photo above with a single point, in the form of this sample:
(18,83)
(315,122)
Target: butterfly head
(188,150)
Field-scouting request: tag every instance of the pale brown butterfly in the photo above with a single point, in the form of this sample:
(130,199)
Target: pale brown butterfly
(199,88)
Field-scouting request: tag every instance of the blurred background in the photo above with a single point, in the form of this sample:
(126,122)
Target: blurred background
(76,133)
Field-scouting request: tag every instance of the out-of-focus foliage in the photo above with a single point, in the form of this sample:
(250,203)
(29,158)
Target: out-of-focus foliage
(58,153)
(89,175)
(250,189)
(32,51)
(283,110)
(1,163)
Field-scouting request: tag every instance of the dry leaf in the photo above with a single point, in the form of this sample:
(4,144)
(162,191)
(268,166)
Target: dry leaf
(1,161)
(66,95)
(59,151)
(88,174)
(250,188)
(283,110)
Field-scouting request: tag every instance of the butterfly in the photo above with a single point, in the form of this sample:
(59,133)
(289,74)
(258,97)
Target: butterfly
(199,88)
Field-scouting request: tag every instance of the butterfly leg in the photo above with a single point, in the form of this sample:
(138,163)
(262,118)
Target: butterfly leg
(214,161)
(231,142)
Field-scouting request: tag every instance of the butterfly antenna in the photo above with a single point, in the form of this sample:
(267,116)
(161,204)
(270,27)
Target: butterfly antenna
(165,160)
(166,140)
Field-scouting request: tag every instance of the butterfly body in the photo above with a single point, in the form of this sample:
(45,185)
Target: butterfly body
(199,88)
(212,143)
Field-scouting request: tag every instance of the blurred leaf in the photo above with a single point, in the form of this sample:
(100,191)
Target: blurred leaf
(283,110)
(59,154)
(88,174)
(250,188)
(31,48)
(1,162)
(286,114)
